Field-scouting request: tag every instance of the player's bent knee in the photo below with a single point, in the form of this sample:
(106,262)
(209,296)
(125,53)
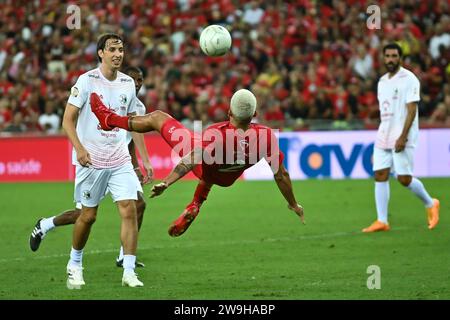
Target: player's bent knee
(382,175)
(404,180)
(88,218)
(75,214)
(127,209)
(126,203)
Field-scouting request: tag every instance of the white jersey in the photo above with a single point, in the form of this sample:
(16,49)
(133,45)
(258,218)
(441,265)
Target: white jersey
(393,95)
(108,149)
(140,111)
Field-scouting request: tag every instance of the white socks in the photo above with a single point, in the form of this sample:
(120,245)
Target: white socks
(76,258)
(121,253)
(382,193)
(417,187)
(129,263)
(47,224)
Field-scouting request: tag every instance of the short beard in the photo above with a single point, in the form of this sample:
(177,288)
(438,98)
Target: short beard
(392,68)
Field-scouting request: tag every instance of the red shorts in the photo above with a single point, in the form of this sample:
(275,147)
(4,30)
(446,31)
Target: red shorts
(181,140)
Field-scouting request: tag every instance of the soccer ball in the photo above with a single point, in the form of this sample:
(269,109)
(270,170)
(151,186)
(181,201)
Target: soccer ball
(215,40)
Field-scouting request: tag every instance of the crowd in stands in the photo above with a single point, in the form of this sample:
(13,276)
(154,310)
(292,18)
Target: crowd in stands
(305,60)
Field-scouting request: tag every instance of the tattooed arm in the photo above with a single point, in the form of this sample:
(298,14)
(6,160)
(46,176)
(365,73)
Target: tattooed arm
(185,165)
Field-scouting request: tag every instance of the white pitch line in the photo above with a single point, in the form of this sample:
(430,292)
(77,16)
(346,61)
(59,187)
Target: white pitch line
(208,244)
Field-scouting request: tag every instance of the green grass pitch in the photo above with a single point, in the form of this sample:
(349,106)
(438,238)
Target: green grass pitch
(245,244)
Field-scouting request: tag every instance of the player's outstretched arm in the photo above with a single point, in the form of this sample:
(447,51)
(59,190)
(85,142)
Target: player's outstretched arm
(183,167)
(285,185)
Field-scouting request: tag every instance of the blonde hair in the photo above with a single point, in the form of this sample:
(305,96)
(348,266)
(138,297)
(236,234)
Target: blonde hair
(243,104)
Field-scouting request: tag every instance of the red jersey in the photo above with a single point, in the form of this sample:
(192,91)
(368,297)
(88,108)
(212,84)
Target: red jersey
(228,151)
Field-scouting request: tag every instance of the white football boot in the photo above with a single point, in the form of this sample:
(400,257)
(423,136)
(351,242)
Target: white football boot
(75,277)
(130,280)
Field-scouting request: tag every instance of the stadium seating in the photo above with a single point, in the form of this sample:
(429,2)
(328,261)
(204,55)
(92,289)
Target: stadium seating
(312,64)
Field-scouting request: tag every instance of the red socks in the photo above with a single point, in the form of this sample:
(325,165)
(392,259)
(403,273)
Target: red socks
(114,120)
(201,192)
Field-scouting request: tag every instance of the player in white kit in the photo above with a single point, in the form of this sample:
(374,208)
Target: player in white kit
(398,95)
(101,157)
(68,217)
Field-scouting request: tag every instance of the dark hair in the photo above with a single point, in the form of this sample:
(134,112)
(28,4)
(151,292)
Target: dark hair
(102,41)
(393,46)
(131,69)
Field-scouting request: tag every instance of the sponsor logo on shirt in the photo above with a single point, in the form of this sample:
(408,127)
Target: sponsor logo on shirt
(125,80)
(395,96)
(113,130)
(95,76)
(123,99)
(109,134)
(385,112)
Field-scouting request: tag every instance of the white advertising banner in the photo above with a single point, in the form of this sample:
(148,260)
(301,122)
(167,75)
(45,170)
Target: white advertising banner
(348,154)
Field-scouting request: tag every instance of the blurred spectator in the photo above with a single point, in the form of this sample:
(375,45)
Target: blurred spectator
(49,121)
(322,107)
(273,116)
(441,115)
(340,104)
(55,55)
(440,38)
(5,113)
(303,59)
(253,13)
(17,125)
(296,106)
(354,91)
(32,122)
(3,56)
(362,63)
(218,109)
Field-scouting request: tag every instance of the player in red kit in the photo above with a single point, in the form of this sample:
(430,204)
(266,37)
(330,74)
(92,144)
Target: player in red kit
(219,155)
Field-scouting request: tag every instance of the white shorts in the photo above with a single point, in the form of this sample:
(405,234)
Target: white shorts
(402,163)
(139,190)
(91,185)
